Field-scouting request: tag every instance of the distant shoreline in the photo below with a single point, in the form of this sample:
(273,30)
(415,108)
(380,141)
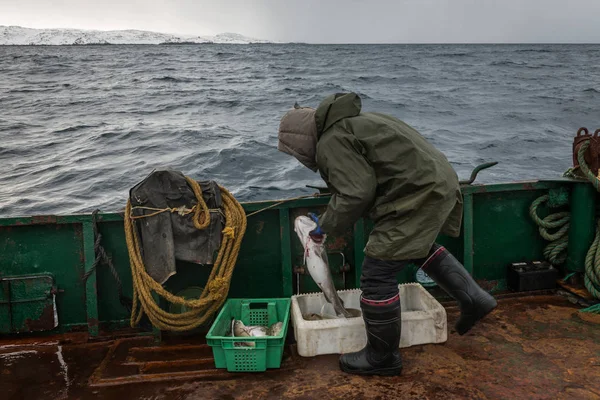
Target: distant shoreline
(142,44)
(294,43)
(17,35)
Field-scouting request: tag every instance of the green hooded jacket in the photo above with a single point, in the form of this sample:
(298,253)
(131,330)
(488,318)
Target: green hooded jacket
(378,167)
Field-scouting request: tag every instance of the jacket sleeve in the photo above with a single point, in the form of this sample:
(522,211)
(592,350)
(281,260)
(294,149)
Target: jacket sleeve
(350,178)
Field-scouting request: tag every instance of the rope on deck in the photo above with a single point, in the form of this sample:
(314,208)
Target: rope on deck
(215,292)
(555,252)
(592,259)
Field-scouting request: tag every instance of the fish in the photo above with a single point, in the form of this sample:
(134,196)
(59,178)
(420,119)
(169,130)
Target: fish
(315,259)
(275,329)
(321,316)
(316,317)
(238,329)
(241,330)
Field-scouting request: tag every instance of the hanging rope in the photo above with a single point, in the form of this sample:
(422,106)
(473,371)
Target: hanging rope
(592,258)
(312,196)
(215,292)
(556,250)
(592,269)
(102,258)
(584,167)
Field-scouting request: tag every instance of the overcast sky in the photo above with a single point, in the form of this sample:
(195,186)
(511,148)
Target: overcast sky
(326,21)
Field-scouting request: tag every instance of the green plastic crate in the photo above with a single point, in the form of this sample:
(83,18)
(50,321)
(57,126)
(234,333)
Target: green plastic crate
(268,350)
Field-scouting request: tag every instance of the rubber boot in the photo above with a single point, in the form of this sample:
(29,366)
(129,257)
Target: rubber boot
(381,355)
(474,302)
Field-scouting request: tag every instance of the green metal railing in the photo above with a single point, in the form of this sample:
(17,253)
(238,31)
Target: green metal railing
(496,231)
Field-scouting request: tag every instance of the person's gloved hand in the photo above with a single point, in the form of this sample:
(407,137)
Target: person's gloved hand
(316,234)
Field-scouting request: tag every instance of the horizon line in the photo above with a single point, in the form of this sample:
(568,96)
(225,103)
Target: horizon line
(302,42)
(269,43)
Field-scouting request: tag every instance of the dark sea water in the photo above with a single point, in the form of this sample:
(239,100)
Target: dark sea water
(79,126)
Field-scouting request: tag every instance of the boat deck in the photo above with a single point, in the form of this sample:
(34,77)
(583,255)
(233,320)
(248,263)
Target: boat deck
(530,347)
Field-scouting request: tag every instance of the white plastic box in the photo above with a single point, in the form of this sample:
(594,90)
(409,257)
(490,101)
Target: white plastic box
(423,321)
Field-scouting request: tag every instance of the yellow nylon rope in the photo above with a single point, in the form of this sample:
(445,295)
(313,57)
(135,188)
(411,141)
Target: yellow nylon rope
(216,290)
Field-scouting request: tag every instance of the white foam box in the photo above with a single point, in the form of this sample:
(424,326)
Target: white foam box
(423,321)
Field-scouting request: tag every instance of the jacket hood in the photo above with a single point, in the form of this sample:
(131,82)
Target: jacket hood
(336,107)
(298,136)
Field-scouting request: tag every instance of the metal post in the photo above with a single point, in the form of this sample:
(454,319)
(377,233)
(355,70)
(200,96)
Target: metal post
(286,252)
(582,225)
(91,294)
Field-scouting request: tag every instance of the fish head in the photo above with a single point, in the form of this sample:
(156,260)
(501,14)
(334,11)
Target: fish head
(275,329)
(303,225)
(239,329)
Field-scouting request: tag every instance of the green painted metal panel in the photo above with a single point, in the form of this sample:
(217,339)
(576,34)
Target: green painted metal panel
(286,235)
(113,241)
(501,232)
(259,266)
(55,249)
(5,310)
(582,225)
(27,304)
(91,296)
(258,270)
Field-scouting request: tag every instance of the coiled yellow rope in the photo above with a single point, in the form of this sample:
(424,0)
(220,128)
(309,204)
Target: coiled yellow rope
(215,292)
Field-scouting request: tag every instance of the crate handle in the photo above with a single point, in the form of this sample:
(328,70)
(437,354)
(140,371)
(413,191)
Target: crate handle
(270,306)
(258,306)
(259,343)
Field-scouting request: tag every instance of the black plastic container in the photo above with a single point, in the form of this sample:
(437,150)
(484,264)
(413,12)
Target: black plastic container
(528,276)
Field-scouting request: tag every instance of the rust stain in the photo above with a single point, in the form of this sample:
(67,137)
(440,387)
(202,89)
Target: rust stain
(44,322)
(529,348)
(164,377)
(577,289)
(528,186)
(488,285)
(79,231)
(338,244)
(96,376)
(126,363)
(171,348)
(92,322)
(176,365)
(43,219)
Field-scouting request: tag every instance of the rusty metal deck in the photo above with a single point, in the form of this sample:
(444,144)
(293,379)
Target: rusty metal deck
(534,348)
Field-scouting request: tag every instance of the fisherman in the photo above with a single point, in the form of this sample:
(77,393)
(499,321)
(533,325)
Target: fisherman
(378,167)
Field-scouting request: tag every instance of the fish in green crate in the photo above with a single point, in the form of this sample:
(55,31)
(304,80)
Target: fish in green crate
(239,329)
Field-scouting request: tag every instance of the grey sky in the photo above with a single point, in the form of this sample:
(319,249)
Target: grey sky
(326,21)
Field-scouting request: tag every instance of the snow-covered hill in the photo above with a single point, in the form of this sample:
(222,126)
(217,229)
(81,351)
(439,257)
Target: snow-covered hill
(16,35)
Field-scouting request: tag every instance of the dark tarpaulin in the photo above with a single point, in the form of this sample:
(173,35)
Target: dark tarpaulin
(169,236)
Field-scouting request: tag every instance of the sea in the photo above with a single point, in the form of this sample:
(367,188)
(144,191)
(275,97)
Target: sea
(81,125)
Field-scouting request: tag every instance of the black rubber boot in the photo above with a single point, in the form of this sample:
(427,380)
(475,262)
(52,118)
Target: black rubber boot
(381,355)
(474,302)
